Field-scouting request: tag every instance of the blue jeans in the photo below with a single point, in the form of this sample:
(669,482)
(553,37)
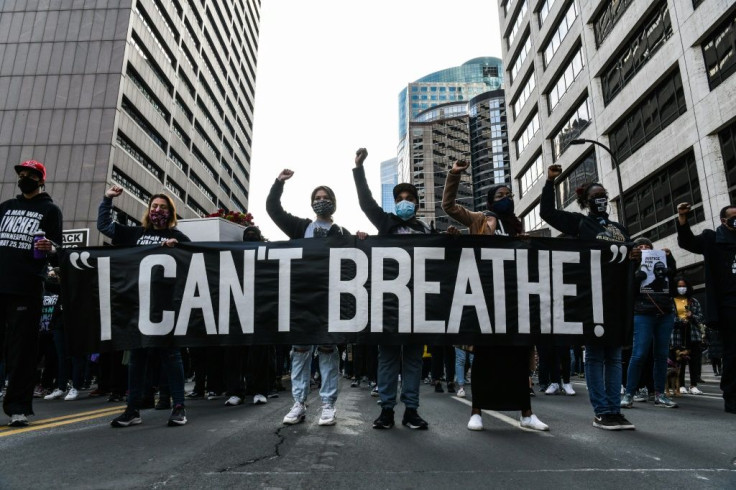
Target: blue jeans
(648,329)
(390,361)
(171,365)
(460,356)
(329,367)
(603,377)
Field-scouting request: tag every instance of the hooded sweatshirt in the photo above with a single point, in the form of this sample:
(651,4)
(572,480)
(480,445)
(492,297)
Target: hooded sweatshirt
(20,218)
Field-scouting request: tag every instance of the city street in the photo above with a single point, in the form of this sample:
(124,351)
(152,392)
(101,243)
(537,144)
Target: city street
(71,444)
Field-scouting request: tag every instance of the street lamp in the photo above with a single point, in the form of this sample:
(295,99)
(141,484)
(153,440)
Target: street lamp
(581,141)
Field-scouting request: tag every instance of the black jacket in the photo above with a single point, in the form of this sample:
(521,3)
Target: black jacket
(385,223)
(131,235)
(293,226)
(719,253)
(20,218)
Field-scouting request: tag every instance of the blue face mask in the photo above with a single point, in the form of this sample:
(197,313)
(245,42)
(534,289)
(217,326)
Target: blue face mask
(504,206)
(405,210)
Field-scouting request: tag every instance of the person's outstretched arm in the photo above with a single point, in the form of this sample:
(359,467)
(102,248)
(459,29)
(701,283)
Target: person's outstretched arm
(368,204)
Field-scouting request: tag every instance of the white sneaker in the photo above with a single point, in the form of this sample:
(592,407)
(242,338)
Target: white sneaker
(532,422)
(552,389)
(460,392)
(296,414)
(18,420)
(72,395)
(233,400)
(694,390)
(567,388)
(328,415)
(57,393)
(475,422)
(683,390)
(259,400)
(623,390)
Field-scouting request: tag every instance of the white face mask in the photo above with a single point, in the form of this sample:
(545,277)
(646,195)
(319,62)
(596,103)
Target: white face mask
(682,291)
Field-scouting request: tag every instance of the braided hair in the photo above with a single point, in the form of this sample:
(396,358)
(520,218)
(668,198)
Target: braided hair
(581,193)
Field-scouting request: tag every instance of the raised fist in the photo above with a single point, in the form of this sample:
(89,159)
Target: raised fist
(285,174)
(554,171)
(114,191)
(459,167)
(360,156)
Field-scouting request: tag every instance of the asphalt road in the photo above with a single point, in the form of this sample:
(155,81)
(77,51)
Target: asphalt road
(71,445)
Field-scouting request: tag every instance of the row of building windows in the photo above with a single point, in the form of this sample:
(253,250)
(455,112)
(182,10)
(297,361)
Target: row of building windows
(139,155)
(518,21)
(130,185)
(146,91)
(651,206)
(659,108)
(524,95)
(531,175)
(521,57)
(719,52)
(637,51)
(544,11)
(527,133)
(559,35)
(608,17)
(727,139)
(128,107)
(433,88)
(532,221)
(566,78)
(571,129)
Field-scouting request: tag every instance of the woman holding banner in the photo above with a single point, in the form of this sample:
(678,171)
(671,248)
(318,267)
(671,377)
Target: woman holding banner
(159,227)
(603,370)
(500,373)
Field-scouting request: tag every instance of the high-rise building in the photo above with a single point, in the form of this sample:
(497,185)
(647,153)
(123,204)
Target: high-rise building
(152,95)
(389,179)
(651,80)
(460,83)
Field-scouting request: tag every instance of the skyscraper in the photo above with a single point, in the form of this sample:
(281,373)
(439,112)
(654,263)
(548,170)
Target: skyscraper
(152,95)
(389,179)
(652,80)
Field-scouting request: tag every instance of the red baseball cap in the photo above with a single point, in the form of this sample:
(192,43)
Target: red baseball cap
(32,165)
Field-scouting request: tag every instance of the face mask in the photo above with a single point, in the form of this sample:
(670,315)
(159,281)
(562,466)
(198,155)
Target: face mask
(28,185)
(504,206)
(405,210)
(682,291)
(731,223)
(323,208)
(598,205)
(159,217)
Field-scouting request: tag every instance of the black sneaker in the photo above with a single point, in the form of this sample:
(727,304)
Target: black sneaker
(385,420)
(438,387)
(129,417)
(607,421)
(531,392)
(178,416)
(623,422)
(413,421)
(451,387)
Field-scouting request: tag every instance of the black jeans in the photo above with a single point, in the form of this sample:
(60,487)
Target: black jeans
(20,318)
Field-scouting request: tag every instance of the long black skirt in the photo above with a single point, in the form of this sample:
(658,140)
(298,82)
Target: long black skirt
(501,378)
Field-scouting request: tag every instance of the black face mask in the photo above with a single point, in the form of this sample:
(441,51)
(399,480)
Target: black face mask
(731,223)
(28,185)
(598,205)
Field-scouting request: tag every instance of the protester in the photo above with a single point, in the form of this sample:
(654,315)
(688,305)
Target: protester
(463,355)
(653,321)
(603,362)
(159,227)
(323,203)
(719,253)
(500,373)
(443,365)
(392,358)
(686,334)
(23,266)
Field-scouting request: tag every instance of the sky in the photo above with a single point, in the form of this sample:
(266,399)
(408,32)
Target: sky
(329,73)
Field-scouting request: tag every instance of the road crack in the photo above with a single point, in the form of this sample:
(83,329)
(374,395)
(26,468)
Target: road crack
(272,455)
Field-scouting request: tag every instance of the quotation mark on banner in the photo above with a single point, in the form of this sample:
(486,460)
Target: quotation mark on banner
(75,258)
(617,250)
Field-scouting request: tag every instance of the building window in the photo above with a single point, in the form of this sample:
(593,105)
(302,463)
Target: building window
(178,131)
(567,77)
(488,71)
(527,133)
(142,122)
(139,156)
(651,206)
(584,172)
(529,86)
(146,91)
(130,185)
(518,21)
(148,24)
(531,175)
(560,33)
(727,137)
(576,124)
(194,205)
(661,106)
(532,221)
(607,18)
(175,189)
(176,160)
(201,185)
(636,52)
(544,11)
(696,3)
(718,52)
(520,58)
(140,48)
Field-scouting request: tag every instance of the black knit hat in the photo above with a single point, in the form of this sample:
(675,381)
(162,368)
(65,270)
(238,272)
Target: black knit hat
(405,187)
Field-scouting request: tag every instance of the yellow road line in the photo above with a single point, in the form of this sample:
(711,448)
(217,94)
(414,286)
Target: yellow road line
(59,421)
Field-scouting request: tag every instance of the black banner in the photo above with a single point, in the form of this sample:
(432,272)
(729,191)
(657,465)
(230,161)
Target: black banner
(435,289)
